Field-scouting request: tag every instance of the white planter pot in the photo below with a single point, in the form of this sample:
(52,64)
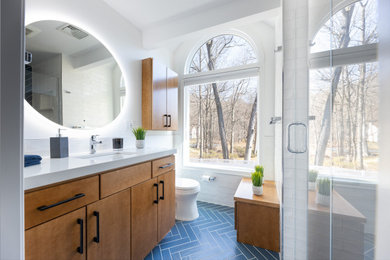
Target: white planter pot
(140,144)
(257,190)
(311,185)
(322,199)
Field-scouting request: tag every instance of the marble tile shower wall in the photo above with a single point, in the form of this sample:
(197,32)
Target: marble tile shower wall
(295,101)
(81,145)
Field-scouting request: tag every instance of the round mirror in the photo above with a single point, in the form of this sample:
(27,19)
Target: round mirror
(70,77)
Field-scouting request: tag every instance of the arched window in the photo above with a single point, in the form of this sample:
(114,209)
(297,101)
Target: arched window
(344,95)
(221,98)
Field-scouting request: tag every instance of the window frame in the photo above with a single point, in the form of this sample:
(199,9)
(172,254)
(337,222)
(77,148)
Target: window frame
(251,70)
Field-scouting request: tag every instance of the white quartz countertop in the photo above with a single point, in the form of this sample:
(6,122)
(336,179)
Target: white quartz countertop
(57,170)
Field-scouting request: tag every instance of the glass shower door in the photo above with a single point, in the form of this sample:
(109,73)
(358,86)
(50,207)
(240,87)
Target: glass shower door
(330,129)
(343,133)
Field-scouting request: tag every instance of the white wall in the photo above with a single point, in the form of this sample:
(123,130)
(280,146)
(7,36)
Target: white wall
(261,35)
(11,125)
(124,42)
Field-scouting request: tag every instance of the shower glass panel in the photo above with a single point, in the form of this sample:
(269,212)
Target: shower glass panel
(342,130)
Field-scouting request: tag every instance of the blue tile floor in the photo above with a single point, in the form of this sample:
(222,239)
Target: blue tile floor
(211,236)
(369,247)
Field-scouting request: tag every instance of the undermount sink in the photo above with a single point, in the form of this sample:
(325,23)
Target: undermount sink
(113,153)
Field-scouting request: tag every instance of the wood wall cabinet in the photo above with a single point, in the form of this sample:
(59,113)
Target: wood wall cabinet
(159,96)
(121,214)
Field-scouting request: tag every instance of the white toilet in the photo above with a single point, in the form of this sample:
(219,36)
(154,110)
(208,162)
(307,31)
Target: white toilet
(186,192)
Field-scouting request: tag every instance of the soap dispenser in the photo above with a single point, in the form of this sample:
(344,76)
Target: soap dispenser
(59,146)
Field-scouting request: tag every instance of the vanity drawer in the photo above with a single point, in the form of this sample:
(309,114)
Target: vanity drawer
(46,204)
(163,165)
(124,178)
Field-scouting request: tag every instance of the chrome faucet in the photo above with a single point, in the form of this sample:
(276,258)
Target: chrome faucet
(93,142)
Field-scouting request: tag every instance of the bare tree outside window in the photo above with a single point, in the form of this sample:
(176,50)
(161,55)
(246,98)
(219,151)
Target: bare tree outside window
(222,121)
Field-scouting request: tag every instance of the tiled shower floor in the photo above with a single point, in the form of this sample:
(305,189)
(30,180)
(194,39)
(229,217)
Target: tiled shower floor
(211,236)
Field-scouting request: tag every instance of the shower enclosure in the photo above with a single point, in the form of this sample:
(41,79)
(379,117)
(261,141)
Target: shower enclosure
(330,129)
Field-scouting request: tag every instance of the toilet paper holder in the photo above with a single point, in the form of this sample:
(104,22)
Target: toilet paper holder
(208,178)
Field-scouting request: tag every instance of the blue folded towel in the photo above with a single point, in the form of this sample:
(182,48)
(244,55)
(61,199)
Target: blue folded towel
(30,160)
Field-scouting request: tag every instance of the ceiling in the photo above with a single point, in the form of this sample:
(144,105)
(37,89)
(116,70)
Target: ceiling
(163,21)
(146,13)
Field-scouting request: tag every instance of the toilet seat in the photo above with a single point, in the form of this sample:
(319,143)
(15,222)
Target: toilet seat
(187,186)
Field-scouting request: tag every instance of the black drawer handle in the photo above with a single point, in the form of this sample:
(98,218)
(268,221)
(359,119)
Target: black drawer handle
(77,196)
(80,249)
(156,201)
(163,191)
(166,120)
(170,120)
(166,165)
(97,238)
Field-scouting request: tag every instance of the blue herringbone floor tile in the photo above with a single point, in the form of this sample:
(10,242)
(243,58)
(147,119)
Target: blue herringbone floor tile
(211,236)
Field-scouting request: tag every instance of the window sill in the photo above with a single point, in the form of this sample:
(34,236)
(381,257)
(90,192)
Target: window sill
(229,170)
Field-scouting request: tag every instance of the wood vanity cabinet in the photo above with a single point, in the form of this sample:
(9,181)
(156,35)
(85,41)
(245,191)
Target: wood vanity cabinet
(159,96)
(120,214)
(153,208)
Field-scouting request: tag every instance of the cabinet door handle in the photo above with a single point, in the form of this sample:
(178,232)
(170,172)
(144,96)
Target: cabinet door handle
(44,207)
(166,166)
(156,201)
(163,191)
(97,238)
(170,120)
(80,249)
(166,120)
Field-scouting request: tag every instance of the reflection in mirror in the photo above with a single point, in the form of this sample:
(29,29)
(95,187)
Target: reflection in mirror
(71,78)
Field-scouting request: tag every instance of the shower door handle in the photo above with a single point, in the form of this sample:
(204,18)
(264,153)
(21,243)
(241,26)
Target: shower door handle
(299,130)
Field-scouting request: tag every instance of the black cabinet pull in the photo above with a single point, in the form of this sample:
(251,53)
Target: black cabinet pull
(80,249)
(170,121)
(97,238)
(163,191)
(44,207)
(156,201)
(166,165)
(166,120)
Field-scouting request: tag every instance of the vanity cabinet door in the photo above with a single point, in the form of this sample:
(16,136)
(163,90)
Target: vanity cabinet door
(166,204)
(108,233)
(144,218)
(172,99)
(60,238)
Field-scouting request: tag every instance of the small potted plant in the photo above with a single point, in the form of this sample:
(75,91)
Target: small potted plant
(139,134)
(312,177)
(323,192)
(257,180)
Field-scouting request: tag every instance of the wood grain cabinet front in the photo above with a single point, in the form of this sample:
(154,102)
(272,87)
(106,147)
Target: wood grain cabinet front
(166,204)
(62,238)
(153,213)
(48,203)
(108,227)
(159,96)
(144,199)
